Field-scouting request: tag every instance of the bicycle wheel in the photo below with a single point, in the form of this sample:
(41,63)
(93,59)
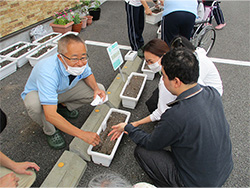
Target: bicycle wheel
(206,38)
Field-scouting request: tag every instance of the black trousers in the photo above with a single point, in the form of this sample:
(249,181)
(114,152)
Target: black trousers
(159,166)
(153,101)
(135,23)
(175,24)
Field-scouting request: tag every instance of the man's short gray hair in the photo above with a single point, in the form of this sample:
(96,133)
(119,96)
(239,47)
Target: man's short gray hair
(64,41)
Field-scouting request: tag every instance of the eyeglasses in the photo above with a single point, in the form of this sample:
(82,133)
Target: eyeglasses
(76,60)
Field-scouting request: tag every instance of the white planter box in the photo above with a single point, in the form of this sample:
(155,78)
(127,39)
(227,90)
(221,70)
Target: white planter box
(47,41)
(131,55)
(21,60)
(33,60)
(150,74)
(101,158)
(130,102)
(69,32)
(159,32)
(7,55)
(154,18)
(7,69)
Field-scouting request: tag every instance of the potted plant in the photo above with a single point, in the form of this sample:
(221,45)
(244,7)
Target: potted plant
(156,15)
(47,38)
(12,48)
(86,4)
(62,23)
(77,26)
(95,10)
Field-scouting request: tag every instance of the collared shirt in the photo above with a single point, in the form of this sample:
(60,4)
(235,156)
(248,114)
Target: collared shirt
(50,78)
(198,133)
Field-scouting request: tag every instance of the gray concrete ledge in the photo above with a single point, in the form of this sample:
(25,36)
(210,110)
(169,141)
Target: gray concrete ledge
(68,175)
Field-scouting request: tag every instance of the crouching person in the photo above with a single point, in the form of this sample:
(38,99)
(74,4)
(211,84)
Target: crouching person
(57,86)
(195,127)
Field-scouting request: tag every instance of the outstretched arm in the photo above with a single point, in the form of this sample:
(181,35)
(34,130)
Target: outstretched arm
(18,167)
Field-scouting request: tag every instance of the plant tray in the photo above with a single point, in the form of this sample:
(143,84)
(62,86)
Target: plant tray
(47,38)
(155,17)
(6,52)
(41,54)
(20,55)
(101,158)
(146,70)
(7,67)
(130,102)
(69,32)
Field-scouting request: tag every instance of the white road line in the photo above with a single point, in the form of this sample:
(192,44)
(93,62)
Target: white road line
(230,61)
(215,60)
(104,44)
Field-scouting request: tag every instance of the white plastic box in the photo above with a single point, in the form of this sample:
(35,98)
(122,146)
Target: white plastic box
(101,158)
(17,43)
(67,33)
(150,74)
(154,18)
(131,55)
(21,60)
(159,32)
(130,102)
(34,60)
(7,69)
(47,41)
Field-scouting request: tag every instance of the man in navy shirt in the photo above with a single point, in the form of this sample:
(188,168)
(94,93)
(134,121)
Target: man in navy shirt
(195,127)
(57,86)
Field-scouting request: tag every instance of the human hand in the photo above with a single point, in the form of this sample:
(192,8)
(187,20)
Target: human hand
(117,130)
(21,168)
(148,11)
(9,180)
(101,94)
(91,138)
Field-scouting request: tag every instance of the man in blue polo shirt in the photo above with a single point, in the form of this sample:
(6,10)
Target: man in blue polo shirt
(195,127)
(57,86)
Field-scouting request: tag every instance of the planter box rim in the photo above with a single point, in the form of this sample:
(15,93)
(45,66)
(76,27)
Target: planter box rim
(127,82)
(107,158)
(41,47)
(58,25)
(48,41)
(10,46)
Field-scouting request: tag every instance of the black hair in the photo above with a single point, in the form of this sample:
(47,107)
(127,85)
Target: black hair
(180,41)
(181,63)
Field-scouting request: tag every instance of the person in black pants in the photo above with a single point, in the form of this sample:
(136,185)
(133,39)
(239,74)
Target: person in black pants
(218,14)
(135,21)
(195,127)
(178,18)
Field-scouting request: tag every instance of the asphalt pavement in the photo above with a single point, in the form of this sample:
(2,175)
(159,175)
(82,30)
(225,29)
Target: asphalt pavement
(23,139)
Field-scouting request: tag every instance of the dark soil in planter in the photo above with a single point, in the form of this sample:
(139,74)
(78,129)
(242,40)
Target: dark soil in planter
(156,11)
(42,51)
(47,38)
(146,66)
(106,146)
(4,63)
(13,48)
(23,51)
(134,86)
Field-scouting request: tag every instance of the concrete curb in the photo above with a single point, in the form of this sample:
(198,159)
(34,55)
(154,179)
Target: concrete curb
(69,174)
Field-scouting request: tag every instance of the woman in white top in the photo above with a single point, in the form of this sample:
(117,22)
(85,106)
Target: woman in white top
(153,52)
